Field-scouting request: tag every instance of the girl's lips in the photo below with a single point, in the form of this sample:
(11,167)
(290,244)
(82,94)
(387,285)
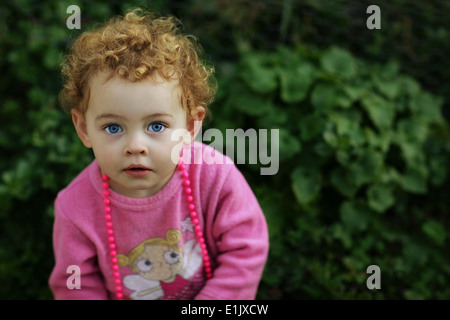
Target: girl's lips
(137,171)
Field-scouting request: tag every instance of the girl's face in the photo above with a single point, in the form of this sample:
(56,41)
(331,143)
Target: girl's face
(129,127)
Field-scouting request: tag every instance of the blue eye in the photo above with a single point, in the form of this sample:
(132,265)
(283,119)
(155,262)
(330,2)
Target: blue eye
(113,129)
(156,127)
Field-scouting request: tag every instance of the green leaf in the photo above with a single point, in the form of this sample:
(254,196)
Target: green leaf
(258,73)
(378,140)
(413,154)
(410,136)
(270,205)
(390,88)
(427,107)
(341,233)
(296,81)
(435,230)
(366,167)
(252,104)
(348,126)
(414,181)
(354,215)
(311,125)
(380,197)
(344,182)
(273,118)
(380,111)
(415,253)
(408,85)
(306,184)
(289,145)
(325,96)
(356,90)
(339,62)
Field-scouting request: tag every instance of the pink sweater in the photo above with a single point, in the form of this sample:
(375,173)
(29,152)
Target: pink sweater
(155,237)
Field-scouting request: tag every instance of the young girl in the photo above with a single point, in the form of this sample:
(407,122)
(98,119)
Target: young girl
(137,223)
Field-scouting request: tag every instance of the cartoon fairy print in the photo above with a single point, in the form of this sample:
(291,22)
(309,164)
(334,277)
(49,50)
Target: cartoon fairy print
(161,266)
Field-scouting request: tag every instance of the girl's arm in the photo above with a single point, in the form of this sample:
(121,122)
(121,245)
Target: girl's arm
(73,248)
(238,238)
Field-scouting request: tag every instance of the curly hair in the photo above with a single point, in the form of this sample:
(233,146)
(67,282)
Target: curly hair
(135,47)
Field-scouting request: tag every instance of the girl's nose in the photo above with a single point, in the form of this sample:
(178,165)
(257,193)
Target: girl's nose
(136,145)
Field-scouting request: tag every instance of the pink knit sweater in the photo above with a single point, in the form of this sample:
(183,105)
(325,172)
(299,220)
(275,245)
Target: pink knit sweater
(158,252)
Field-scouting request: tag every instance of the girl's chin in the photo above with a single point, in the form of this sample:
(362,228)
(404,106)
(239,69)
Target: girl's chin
(136,189)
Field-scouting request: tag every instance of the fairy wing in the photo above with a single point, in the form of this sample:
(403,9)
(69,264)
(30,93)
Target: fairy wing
(143,289)
(192,259)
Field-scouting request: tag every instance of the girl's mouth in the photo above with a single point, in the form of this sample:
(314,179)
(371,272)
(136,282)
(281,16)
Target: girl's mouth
(137,171)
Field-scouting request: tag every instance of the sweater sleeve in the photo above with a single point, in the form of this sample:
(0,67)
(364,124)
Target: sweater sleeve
(73,248)
(240,233)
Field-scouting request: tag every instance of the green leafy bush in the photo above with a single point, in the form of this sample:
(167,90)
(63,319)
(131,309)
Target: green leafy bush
(363,150)
(361,146)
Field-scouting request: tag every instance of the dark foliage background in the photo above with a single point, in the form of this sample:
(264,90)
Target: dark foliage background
(364,138)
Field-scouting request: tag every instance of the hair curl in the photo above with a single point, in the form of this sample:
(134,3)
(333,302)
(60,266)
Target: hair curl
(135,47)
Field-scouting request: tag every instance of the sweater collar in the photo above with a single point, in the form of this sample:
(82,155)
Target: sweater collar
(133,204)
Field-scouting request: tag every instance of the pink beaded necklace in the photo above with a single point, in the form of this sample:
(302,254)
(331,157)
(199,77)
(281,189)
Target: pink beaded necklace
(112,240)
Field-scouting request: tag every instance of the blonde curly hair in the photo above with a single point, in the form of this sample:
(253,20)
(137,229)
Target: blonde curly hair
(135,47)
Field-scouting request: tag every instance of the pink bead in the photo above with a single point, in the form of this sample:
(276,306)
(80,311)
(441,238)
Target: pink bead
(107,202)
(116,274)
(187,182)
(113,253)
(108,217)
(117,281)
(115,267)
(109,224)
(111,239)
(106,193)
(195,221)
(193,214)
(119,295)
(203,246)
(204,252)
(206,258)
(105,185)
(190,198)
(107,209)
(114,260)
(199,234)
(112,246)
(191,206)
(110,232)
(197,228)
(201,240)
(105,177)
(188,190)
(209,275)
(208,269)
(181,167)
(185,174)
(118,288)
(207,264)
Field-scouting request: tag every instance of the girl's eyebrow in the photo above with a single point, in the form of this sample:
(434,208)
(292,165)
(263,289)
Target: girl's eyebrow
(112,115)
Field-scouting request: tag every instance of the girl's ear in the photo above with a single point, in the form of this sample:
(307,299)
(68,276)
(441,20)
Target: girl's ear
(195,122)
(79,122)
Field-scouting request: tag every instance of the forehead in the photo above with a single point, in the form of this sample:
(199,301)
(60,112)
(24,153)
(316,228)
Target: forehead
(153,93)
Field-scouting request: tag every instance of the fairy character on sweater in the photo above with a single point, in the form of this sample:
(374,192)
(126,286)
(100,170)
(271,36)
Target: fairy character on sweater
(161,266)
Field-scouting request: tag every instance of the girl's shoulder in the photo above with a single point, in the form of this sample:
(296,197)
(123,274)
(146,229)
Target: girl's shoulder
(207,163)
(80,190)
(214,171)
